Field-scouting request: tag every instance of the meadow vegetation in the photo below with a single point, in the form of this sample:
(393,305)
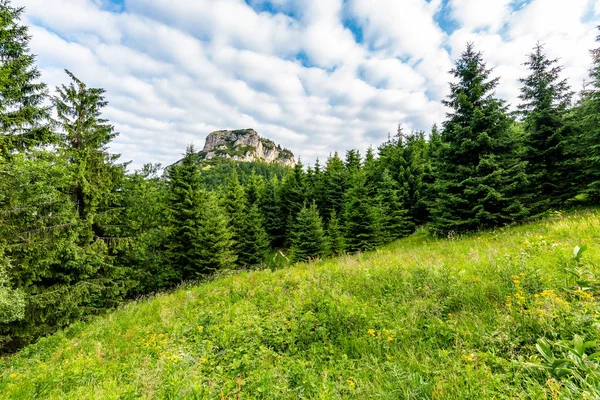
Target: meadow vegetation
(508,313)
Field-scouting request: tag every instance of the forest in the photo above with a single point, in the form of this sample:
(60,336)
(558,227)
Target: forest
(80,234)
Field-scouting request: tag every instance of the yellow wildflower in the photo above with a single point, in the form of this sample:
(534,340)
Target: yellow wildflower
(372,332)
(200,328)
(390,338)
(351,382)
(584,295)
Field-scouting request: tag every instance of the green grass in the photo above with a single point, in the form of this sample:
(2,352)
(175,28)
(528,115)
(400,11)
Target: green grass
(421,318)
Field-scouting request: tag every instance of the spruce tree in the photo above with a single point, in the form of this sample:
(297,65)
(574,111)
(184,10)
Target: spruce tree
(84,142)
(234,204)
(24,116)
(395,221)
(372,173)
(293,195)
(186,201)
(404,156)
(254,188)
(213,247)
(271,210)
(255,240)
(335,237)
(61,220)
(478,173)
(352,162)
(590,138)
(308,237)
(336,184)
(316,185)
(546,100)
(429,195)
(361,218)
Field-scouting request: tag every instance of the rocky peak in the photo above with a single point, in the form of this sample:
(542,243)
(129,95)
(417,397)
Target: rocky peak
(245,145)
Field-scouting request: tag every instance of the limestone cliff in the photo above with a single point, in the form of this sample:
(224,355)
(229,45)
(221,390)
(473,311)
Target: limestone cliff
(245,145)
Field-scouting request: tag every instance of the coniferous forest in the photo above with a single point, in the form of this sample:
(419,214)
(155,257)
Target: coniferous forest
(80,234)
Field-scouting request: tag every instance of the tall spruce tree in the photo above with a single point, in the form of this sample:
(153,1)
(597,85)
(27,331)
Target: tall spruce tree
(255,240)
(96,173)
(271,210)
(478,172)
(361,217)
(254,188)
(404,156)
(317,186)
(145,219)
(213,248)
(335,237)
(395,220)
(234,204)
(293,194)
(63,205)
(429,195)
(24,116)
(590,138)
(186,201)
(307,236)
(336,184)
(546,100)
(372,172)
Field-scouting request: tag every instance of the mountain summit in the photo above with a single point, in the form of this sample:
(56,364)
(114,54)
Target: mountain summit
(245,145)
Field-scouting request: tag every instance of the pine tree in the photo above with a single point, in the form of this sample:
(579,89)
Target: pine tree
(352,163)
(336,184)
(546,100)
(234,204)
(372,173)
(84,142)
(404,156)
(293,194)
(395,221)
(271,210)
(334,235)
(186,202)
(590,140)
(478,173)
(361,218)
(254,188)
(58,219)
(24,117)
(432,150)
(145,222)
(316,184)
(255,240)
(213,249)
(308,237)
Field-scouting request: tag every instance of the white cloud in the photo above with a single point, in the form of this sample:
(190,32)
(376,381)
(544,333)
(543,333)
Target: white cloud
(477,14)
(176,70)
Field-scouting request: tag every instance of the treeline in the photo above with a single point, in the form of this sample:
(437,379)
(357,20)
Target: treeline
(78,234)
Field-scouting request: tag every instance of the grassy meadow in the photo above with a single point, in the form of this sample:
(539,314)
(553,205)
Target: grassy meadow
(511,313)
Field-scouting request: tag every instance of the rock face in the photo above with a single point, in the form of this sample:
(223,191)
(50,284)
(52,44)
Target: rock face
(245,145)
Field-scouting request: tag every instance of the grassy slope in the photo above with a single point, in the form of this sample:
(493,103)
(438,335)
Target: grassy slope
(420,318)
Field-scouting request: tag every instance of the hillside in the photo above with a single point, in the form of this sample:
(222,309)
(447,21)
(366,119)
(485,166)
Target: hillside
(420,318)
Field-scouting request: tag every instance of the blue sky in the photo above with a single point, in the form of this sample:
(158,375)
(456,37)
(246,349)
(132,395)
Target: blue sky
(314,75)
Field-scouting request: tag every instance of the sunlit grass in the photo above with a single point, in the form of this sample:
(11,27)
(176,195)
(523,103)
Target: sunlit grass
(420,318)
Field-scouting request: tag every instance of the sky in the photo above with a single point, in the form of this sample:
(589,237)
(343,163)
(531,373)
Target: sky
(315,76)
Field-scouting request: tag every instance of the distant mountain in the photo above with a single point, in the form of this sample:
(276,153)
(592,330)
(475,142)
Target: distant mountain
(245,145)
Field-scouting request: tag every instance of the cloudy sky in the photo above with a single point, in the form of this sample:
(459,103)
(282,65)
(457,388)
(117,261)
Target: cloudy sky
(313,75)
